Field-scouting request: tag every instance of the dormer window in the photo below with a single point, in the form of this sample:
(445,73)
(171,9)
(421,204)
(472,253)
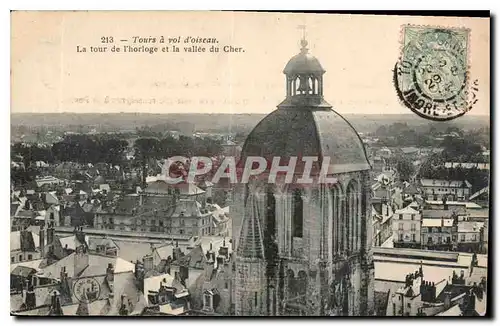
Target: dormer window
(162,298)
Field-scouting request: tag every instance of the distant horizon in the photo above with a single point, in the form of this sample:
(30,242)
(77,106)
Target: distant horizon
(213,113)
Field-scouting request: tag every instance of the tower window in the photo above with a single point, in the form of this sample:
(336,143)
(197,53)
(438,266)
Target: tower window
(270,214)
(298,214)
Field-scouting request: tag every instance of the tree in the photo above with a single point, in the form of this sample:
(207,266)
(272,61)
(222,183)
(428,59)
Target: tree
(405,167)
(112,150)
(146,148)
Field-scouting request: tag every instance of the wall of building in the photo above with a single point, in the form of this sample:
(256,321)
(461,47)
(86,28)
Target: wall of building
(17,256)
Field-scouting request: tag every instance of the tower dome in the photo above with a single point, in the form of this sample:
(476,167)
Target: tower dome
(303,63)
(305,124)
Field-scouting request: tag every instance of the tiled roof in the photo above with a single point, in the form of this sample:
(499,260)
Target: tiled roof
(194,259)
(452,311)
(72,242)
(465,226)
(35,264)
(165,251)
(437,213)
(406,210)
(153,283)
(187,207)
(97,266)
(94,242)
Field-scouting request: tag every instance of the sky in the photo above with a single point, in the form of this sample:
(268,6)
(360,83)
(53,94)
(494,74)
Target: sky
(358,53)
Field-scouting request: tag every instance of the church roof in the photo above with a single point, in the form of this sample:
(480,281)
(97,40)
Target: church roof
(308,132)
(250,242)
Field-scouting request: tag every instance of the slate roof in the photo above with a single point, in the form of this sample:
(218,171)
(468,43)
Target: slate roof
(24,240)
(97,266)
(308,132)
(251,239)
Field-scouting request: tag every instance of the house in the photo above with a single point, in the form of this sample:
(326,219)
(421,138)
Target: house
(213,289)
(419,297)
(165,295)
(470,236)
(406,224)
(447,279)
(382,217)
(109,282)
(27,245)
(103,246)
(438,234)
(449,189)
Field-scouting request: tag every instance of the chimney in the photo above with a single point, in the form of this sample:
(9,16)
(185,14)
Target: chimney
(123,310)
(209,268)
(50,233)
(30,297)
(432,292)
(55,306)
(63,273)
(110,276)
(80,236)
(41,236)
(220,262)
(447,300)
(148,262)
(81,260)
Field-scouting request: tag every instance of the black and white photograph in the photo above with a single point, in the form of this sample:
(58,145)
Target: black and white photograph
(249,164)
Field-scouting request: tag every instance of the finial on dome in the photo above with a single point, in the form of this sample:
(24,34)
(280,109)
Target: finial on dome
(303,42)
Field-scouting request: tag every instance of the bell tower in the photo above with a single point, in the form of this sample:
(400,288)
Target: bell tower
(304,80)
(304,248)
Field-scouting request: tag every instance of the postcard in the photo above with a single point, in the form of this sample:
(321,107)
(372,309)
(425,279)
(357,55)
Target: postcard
(249,164)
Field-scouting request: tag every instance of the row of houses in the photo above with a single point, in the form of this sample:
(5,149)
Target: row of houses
(438,225)
(77,276)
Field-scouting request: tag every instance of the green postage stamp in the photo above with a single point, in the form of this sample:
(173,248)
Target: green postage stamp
(431,76)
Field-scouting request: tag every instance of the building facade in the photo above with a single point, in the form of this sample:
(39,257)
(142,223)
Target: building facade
(448,189)
(406,228)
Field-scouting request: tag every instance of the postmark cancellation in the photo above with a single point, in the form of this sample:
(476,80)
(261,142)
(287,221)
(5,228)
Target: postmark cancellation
(86,290)
(432,75)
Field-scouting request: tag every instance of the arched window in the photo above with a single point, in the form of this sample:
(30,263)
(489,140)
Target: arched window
(302,284)
(353,202)
(270,213)
(298,214)
(337,219)
(292,288)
